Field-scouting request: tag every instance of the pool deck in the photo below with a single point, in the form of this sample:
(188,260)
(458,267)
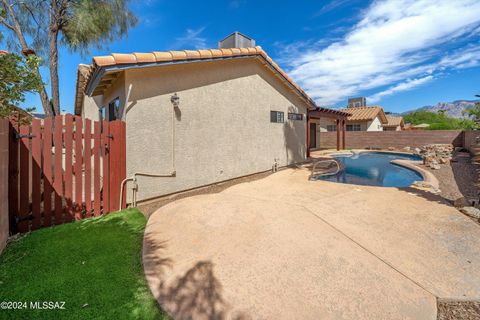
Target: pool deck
(284,247)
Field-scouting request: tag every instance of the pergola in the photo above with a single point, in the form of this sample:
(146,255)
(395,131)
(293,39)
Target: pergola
(340,119)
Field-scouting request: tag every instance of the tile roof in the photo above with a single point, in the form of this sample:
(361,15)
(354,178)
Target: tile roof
(393,121)
(366,113)
(85,72)
(3,52)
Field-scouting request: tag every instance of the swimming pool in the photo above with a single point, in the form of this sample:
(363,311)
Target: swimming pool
(375,169)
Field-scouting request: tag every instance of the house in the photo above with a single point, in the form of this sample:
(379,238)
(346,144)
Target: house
(197,117)
(394,123)
(360,119)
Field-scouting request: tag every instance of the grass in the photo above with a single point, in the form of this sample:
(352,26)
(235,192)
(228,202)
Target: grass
(93,265)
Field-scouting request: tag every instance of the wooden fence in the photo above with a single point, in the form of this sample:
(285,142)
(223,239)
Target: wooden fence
(395,139)
(64,168)
(3,183)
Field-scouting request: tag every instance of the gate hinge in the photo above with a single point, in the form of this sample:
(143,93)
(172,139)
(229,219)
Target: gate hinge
(21,136)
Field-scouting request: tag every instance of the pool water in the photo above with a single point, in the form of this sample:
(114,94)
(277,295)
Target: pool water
(375,169)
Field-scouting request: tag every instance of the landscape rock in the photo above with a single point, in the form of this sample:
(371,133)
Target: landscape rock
(391,148)
(435,154)
(407,149)
(433,164)
(471,212)
(461,202)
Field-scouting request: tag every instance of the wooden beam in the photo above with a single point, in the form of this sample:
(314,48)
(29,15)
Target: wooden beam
(338,134)
(343,133)
(308,136)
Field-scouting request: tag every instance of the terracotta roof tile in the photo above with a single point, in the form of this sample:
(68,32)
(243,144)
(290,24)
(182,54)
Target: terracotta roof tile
(178,55)
(124,58)
(226,52)
(216,52)
(205,54)
(152,57)
(192,54)
(163,56)
(104,60)
(144,57)
(365,113)
(236,51)
(393,121)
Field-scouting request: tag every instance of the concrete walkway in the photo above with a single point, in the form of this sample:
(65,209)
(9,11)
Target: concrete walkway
(287,248)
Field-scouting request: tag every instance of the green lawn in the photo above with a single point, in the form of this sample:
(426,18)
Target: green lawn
(94,266)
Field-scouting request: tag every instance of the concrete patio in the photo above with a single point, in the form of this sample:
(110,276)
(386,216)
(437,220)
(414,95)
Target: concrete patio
(287,248)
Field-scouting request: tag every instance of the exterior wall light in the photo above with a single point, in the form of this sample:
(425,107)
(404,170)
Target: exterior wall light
(175,100)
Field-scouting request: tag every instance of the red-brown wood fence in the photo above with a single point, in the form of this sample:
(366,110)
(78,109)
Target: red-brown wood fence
(63,169)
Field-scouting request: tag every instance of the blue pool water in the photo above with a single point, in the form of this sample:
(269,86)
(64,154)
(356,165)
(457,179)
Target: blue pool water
(375,169)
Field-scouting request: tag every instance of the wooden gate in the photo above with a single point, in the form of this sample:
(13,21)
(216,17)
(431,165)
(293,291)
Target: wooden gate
(62,169)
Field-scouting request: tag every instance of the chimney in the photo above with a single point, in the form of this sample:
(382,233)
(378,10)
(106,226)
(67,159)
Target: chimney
(236,40)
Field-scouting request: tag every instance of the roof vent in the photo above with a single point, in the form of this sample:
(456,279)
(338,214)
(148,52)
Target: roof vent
(357,102)
(236,40)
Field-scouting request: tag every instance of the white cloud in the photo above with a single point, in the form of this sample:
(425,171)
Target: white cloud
(403,86)
(394,40)
(192,39)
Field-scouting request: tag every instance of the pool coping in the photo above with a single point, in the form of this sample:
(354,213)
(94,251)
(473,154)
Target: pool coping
(429,178)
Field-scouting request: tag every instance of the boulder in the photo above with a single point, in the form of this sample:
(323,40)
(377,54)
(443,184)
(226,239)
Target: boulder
(461,202)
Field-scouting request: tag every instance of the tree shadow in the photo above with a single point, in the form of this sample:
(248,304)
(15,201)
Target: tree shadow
(428,195)
(197,294)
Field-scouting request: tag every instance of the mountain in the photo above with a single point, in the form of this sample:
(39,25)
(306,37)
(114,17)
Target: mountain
(452,109)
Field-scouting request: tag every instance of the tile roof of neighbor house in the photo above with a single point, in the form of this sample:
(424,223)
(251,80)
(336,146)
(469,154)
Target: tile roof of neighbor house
(86,73)
(366,113)
(3,52)
(393,121)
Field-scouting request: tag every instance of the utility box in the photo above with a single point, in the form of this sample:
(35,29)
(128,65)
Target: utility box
(236,40)
(357,102)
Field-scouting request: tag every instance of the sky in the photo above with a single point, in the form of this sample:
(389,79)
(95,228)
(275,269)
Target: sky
(400,54)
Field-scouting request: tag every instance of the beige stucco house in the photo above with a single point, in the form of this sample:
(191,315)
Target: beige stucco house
(197,117)
(361,119)
(394,123)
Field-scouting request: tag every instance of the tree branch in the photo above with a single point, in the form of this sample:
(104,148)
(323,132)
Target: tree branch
(6,24)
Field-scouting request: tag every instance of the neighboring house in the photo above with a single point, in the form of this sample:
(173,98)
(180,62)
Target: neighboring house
(394,123)
(422,126)
(203,116)
(360,119)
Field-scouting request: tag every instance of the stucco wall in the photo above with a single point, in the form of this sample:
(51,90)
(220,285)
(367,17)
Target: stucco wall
(374,125)
(90,107)
(220,131)
(4,224)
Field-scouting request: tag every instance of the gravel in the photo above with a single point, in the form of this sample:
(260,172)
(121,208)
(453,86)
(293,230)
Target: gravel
(456,310)
(458,180)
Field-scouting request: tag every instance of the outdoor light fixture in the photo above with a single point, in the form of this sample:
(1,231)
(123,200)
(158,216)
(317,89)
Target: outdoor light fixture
(175,100)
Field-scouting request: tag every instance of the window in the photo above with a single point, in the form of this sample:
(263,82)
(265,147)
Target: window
(353,127)
(331,127)
(114,110)
(295,116)
(276,116)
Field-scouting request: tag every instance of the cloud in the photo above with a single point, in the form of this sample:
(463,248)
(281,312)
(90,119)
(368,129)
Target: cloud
(192,39)
(394,40)
(403,86)
(332,5)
